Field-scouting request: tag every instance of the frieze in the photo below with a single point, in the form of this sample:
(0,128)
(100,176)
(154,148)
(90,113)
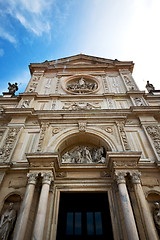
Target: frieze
(81,106)
(9,142)
(124,164)
(154,133)
(85,154)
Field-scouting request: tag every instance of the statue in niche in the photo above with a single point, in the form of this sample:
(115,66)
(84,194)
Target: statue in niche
(82,86)
(12,88)
(7,222)
(85,154)
(156,215)
(150,87)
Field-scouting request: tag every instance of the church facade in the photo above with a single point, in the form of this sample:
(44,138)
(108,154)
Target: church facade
(80,154)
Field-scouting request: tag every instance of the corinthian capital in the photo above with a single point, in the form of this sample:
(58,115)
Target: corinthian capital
(135,175)
(47,177)
(120,176)
(32,178)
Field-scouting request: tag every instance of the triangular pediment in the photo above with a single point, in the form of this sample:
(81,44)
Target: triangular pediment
(81,59)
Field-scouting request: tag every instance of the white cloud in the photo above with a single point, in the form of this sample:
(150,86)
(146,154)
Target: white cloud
(34,16)
(1,52)
(7,36)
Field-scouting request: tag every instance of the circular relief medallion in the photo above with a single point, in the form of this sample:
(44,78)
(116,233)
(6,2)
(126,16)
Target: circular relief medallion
(81,85)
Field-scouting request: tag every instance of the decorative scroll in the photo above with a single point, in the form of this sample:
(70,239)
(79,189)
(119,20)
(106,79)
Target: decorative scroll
(123,135)
(81,106)
(154,133)
(82,86)
(9,142)
(85,154)
(56,130)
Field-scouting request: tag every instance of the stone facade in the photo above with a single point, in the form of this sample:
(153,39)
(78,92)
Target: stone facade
(82,125)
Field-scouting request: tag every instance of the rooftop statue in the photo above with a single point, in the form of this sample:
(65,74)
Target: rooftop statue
(12,88)
(150,87)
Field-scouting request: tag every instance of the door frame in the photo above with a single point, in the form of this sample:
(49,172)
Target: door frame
(113,207)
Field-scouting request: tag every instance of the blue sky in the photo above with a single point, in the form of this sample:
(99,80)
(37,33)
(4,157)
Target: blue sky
(39,30)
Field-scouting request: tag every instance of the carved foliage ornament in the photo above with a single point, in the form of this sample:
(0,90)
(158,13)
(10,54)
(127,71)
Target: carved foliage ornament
(154,133)
(81,85)
(85,154)
(9,142)
(123,135)
(41,138)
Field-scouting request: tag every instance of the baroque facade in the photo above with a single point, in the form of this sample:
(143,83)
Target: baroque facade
(80,154)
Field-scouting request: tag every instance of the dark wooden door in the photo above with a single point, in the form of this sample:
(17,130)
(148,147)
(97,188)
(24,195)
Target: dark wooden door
(84,216)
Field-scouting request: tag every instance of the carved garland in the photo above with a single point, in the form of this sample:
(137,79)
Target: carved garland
(123,135)
(41,138)
(154,133)
(9,142)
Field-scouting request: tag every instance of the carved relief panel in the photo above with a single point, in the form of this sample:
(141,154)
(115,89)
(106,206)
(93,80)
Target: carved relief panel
(84,155)
(81,84)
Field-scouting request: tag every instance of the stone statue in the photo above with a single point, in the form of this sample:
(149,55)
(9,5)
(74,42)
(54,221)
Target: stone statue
(7,222)
(150,87)
(156,215)
(12,88)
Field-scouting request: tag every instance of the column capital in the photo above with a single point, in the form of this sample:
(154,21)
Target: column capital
(120,176)
(47,177)
(135,176)
(32,178)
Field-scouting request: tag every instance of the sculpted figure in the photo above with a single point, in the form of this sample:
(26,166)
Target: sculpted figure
(156,216)
(7,222)
(12,88)
(150,87)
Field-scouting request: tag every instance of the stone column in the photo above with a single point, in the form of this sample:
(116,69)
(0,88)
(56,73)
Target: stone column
(42,207)
(22,220)
(148,219)
(129,220)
